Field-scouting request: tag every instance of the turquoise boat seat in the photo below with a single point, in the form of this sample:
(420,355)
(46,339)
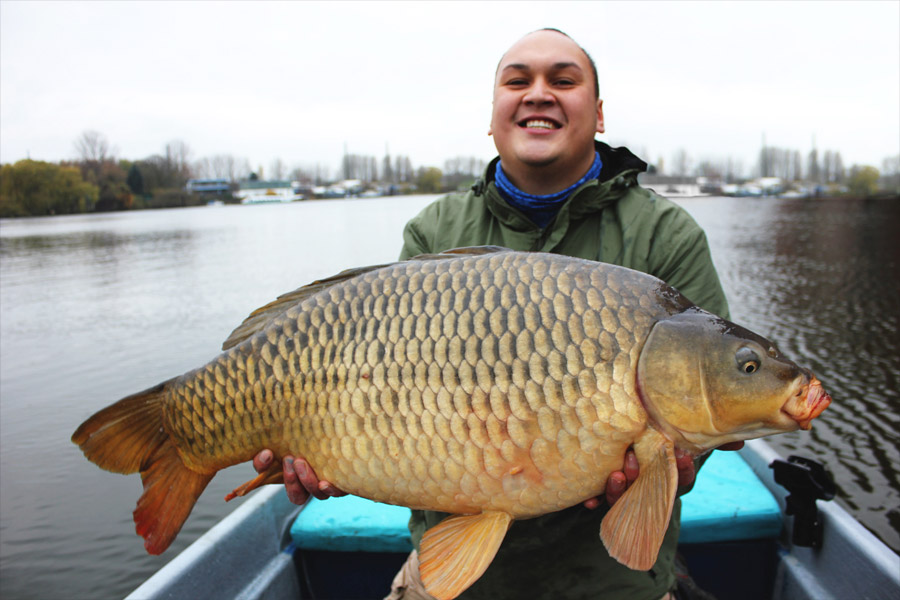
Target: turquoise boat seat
(728,502)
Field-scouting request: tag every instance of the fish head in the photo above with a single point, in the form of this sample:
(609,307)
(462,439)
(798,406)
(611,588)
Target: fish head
(706,381)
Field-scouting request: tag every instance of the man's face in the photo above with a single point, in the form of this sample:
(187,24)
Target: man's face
(545,113)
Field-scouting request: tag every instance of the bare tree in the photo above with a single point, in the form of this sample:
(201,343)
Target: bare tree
(323,174)
(681,162)
(277,170)
(387,172)
(222,166)
(178,155)
(301,174)
(813,174)
(92,146)
(202,169)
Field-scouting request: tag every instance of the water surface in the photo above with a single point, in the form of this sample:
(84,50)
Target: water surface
(95,307)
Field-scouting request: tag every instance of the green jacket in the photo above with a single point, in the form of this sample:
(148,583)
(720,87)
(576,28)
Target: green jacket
(609,219)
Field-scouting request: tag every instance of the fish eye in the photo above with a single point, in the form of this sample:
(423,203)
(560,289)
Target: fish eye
(747,360)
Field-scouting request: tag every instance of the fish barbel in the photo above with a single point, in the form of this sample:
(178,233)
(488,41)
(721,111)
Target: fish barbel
(492,384)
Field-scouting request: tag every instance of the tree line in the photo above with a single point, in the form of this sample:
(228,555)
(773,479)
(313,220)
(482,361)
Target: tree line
(826,170)
(97,181)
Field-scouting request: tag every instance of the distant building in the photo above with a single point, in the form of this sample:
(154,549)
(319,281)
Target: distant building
(208,186)
(761,186)
(671,185)
(259,192)
(342,189)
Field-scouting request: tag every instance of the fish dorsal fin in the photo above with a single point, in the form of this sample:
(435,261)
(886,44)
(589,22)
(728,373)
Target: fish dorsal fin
(634,527)
(457,551)
(261,317)
(464,251)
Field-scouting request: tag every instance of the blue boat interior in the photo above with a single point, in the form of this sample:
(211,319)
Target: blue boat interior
(347,547)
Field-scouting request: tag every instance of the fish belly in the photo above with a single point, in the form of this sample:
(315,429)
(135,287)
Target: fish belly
(500,382)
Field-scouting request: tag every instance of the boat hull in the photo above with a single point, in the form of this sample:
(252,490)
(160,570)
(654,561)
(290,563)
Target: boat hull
(252,555)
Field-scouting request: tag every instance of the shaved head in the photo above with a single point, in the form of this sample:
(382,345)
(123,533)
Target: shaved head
(588,56)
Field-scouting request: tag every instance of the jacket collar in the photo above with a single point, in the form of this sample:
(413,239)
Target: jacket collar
(620,170)
(617,162)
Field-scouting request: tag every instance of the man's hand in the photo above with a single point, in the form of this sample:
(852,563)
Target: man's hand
(300,481)
(619,481)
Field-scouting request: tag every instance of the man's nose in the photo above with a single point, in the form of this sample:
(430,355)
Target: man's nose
(539,93)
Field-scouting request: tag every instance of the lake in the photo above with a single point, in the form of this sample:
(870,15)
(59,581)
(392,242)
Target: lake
(95,307)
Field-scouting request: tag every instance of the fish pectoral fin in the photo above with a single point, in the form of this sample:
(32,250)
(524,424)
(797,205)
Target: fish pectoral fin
(274,474)
(457,551)
(634,527)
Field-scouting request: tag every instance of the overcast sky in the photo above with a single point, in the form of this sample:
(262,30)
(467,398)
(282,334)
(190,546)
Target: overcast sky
(300,80)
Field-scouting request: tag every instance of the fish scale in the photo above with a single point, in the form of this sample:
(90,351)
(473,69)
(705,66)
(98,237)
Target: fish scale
(349,374)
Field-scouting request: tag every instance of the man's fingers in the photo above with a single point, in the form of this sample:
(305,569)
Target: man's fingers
(631,468)
(615,486)
(292,484)
(684,462)
(262,461)
(308,479)
(330,491)
(592,503)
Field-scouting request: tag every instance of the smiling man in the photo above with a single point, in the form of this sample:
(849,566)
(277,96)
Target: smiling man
(546,112)
(553,188)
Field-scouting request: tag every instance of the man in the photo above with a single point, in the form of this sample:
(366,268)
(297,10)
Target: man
(555,189)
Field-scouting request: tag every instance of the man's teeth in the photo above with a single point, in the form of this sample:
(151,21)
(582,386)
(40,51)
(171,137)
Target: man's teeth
(539,124)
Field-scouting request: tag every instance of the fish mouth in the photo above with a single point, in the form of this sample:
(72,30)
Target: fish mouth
(808,403)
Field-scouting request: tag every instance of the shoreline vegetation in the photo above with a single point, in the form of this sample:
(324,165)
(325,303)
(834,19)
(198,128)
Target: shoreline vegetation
(96,181)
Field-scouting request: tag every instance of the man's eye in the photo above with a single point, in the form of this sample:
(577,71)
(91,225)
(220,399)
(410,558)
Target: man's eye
(565,82)
(516,82)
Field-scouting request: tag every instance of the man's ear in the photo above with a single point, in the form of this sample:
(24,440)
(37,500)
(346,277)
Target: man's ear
(601,126)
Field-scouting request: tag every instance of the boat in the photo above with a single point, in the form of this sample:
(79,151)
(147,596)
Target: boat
(744,536)
(271,199)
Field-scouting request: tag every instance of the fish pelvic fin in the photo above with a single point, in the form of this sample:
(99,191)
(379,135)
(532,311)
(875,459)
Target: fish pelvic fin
(634,527)
(129,437)
(457,551)
(274,474)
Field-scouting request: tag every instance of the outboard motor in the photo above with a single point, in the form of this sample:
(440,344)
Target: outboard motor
(806,481)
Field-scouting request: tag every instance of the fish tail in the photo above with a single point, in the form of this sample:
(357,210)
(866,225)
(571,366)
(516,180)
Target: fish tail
(130,437)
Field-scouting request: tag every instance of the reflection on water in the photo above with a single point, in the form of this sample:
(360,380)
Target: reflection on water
(96,307)
(822,280)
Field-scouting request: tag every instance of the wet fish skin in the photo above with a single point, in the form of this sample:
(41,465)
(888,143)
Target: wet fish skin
(458,385)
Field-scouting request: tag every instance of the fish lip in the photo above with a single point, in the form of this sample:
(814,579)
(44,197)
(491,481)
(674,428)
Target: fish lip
(807,403)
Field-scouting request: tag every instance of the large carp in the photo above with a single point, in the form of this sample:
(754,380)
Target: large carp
(492,384)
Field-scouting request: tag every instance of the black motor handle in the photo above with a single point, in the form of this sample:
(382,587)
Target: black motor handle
(806,481)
